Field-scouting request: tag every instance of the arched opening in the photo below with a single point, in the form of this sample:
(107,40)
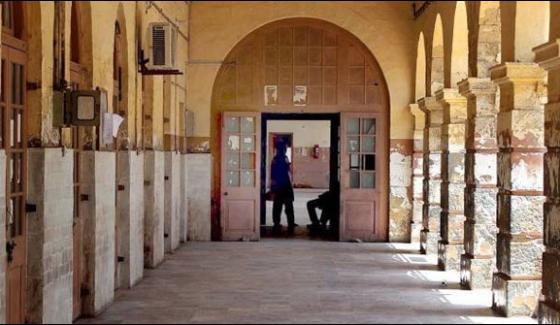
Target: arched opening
(460,47)
(489,33)
(525,25)
(301,66)
(437,64)
(420,91)
(531,28)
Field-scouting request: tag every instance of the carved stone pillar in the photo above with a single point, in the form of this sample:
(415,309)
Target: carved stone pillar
(432,175)
(548,57)
(451,245)
(477,264)
(417,173)
(517,284)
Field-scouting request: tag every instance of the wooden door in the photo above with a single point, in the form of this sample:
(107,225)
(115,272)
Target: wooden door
(14,117)
(77,74)
(360,196)
(240,199)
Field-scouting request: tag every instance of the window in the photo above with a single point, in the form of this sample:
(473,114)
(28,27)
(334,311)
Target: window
(361,152)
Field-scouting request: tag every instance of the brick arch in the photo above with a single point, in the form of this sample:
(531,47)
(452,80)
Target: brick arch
(340,73)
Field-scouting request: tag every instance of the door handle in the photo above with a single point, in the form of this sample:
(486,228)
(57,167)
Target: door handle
(225,193)
(10,247)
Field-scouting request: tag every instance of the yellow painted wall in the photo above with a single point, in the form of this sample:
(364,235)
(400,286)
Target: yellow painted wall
(384,27)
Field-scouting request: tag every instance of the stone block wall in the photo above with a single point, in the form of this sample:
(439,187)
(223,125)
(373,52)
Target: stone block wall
(478,262)
(431,211)
(136,240)
(417,173)
(183,200)
(154,172)
(454,107)
(548,57)
(98,213)
(400,182)
(517,284)
(50,241)
(172,192)
(130,218)
(199,179)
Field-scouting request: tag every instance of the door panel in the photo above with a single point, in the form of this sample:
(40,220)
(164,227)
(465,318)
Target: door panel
(360,195)
(14,128)
(240,197)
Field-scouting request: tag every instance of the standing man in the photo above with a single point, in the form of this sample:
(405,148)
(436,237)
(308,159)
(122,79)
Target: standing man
(281,188)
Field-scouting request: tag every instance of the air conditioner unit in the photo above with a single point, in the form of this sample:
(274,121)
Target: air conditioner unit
(162,42)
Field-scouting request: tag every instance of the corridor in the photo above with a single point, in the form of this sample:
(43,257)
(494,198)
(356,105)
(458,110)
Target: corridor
(299,281)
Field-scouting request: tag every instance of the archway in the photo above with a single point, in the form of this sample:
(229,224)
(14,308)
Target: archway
(437,74)
(460,48)
(335,72)
(420,68)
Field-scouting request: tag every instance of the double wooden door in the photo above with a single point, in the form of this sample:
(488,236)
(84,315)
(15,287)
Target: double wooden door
(363,176)
(13,138)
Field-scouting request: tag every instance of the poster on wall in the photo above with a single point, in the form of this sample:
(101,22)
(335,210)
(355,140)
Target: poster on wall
(300,95)
(270,95)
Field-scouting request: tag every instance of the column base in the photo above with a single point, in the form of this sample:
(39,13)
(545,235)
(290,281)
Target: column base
(449,256)
(548,314)
(415,231)
(514,297)
(476,273)
(428,242)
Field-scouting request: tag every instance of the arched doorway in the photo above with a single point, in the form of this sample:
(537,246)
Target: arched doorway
(300,66)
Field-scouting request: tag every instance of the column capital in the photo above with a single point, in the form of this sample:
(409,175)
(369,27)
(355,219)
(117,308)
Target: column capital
(453,104)
(419,116)
(449,95)
(517,72)
(548,55)
(429,104)
(476,86)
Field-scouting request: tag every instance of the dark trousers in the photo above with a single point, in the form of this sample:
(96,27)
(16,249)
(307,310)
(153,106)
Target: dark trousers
(312,210)
(277,211)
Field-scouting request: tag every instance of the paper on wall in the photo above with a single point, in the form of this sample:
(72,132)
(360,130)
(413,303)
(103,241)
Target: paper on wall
(117,121)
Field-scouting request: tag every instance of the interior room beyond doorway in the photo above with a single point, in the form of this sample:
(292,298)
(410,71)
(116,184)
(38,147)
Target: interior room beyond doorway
(310,152)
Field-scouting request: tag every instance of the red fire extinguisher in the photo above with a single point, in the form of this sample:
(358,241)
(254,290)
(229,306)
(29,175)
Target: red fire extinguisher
(316,152)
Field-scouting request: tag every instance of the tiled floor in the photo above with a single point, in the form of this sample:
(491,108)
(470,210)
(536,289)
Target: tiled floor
(299,281)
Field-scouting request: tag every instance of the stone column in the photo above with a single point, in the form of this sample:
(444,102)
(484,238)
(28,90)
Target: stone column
(171,201)
(432,175)
(451,245)
(516,285)
(154,208)
(417,173)
(199,180)
(477,264)
(548,57)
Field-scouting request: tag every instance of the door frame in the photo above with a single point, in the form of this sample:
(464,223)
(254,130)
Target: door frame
(334,118)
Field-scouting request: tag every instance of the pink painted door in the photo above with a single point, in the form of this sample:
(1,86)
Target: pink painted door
(360,195)
(240,206)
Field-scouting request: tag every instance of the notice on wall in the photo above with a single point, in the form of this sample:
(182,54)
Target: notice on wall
(270,95)
(300,95)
